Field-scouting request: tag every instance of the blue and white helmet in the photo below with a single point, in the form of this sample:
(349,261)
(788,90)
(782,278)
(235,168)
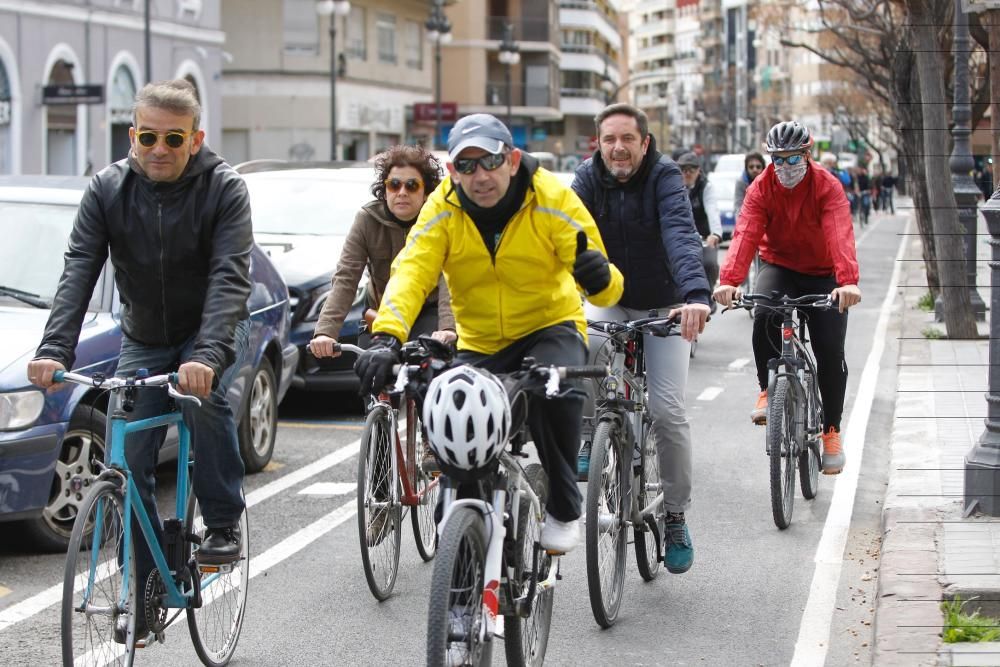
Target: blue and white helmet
(467,417)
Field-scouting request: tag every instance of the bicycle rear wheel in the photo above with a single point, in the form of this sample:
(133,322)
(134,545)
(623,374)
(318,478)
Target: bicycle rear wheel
(455,611)
(215,626)
(647,536)
(781,408)
(378,517)
(422,515)
(809,452)
(608,498)
(99,587)
(526,629)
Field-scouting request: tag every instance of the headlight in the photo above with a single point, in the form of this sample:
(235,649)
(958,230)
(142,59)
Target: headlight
(20,409)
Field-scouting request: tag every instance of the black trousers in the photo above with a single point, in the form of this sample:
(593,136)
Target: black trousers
(555,422)
(827,332)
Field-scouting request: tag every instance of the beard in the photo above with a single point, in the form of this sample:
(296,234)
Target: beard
(621,173)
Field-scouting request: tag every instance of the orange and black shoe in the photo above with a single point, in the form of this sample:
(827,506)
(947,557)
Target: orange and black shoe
(759,414)
(833,452)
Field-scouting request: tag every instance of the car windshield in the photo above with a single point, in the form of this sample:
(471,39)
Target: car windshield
(35,237)
(288,203)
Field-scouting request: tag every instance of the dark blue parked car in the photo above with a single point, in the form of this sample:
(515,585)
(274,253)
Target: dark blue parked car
(48,441)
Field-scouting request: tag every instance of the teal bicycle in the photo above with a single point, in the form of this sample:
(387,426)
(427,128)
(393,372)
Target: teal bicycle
(100,589)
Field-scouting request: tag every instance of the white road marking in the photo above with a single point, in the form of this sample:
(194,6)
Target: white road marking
(709,394)
(814,630)
(738,364)
(53,594)
(329,489)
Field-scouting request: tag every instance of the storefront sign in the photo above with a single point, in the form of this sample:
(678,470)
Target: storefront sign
(73,94)
(426,112)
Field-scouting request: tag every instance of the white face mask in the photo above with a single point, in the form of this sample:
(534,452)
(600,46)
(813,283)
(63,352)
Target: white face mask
(791,175)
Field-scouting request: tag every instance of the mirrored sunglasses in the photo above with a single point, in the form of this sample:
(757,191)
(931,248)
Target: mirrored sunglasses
(791,160)
(489,162)
(172,139)
(411,184)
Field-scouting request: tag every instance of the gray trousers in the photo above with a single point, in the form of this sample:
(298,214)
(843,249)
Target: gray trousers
(666,377)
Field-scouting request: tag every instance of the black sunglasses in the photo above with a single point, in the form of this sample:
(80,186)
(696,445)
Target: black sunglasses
(173,138)
(411,184)
(489,162)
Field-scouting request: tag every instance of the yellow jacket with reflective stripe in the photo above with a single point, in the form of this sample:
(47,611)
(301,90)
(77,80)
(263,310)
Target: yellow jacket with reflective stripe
(529,284)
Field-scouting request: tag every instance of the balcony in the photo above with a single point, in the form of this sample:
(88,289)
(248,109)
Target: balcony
(525,30)
(661,27)
(581,101)
(520,95)
(590,17)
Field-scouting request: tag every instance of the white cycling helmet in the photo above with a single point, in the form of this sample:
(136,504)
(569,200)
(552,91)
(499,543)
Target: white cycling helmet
(467,416)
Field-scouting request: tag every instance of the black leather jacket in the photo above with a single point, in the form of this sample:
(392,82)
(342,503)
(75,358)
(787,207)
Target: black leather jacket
(181,253)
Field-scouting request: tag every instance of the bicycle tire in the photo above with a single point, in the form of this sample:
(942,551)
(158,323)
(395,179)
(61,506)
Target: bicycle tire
(809,460)
(378,532)
(422,515)
(647,537)
(527,637)
(216,625)
(107,587)
(457,594)
(781,452)
(608,503)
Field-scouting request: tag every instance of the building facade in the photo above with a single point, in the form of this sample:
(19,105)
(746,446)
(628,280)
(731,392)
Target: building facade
(50,51)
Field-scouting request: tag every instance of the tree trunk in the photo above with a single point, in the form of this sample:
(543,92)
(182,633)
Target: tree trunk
(960,321)
(912,179)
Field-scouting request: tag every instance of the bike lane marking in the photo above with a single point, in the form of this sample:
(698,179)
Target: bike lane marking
(53,594)
(817,619)
(329,489)
(738,364)
(709,394)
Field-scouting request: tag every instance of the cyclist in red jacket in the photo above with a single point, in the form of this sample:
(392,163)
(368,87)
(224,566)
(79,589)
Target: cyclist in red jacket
(796,216)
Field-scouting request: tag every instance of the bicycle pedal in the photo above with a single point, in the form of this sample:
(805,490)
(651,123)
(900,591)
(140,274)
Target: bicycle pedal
(148,640)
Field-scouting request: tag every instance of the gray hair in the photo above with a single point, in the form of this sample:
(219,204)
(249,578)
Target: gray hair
(627,109)
(177,96)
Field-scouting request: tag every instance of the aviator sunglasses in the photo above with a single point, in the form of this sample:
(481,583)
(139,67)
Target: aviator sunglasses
(489,162)
(791,160)
(173,138)
(411,184)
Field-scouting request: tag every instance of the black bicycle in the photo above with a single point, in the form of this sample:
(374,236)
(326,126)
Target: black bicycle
(623,487)
(794,406)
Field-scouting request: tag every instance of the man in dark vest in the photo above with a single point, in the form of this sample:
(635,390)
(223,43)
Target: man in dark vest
(638,199)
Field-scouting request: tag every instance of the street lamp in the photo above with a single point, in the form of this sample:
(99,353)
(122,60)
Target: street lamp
(509,56)
(438,31)
(333,8)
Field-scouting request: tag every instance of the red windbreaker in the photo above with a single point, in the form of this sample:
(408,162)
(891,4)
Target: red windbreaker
(807,228)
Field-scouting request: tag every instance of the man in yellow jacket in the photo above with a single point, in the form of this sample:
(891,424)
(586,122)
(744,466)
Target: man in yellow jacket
(505,234)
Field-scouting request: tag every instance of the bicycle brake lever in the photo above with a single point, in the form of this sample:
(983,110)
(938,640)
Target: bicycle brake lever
(182,397)
(552,384)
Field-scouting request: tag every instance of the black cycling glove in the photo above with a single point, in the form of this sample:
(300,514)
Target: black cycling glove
(591,269)
(374,366)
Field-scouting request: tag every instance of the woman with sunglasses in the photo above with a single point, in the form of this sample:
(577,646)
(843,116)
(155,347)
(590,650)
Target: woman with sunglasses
(796,216)
(753,165)
(404,177)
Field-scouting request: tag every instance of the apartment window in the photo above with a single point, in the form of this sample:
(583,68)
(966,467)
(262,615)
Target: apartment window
(301,27)
(356,45)
(414,45)
(385,28)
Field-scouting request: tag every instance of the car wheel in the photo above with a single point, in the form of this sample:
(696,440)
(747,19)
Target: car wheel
(259,421)
(76,471)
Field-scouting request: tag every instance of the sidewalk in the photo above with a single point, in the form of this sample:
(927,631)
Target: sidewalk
(929,551)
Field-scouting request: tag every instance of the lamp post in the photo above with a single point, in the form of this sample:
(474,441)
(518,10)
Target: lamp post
(509,56)
(438,31)
(333,9)
(147,43)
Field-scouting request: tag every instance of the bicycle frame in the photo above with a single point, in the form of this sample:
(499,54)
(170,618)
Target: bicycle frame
(795,357)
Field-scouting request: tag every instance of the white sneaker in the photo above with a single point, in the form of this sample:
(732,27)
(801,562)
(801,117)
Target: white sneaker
(562,536)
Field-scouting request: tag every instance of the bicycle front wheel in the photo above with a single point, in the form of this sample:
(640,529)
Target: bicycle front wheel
(215,625)
(379,517)
(455,613)
(647,536)
(608,499)
(526,628)
(809,452)
(422,515)
(781,408)
(99,589)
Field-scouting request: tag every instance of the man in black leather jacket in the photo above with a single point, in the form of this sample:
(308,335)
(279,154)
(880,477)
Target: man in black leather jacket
(638,199)
(176,220)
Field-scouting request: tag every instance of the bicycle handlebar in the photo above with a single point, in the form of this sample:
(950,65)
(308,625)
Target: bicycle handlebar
(168,380)
(820,301)
(657,326)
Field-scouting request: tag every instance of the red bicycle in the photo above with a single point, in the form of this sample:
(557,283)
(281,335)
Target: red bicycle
(392,476)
